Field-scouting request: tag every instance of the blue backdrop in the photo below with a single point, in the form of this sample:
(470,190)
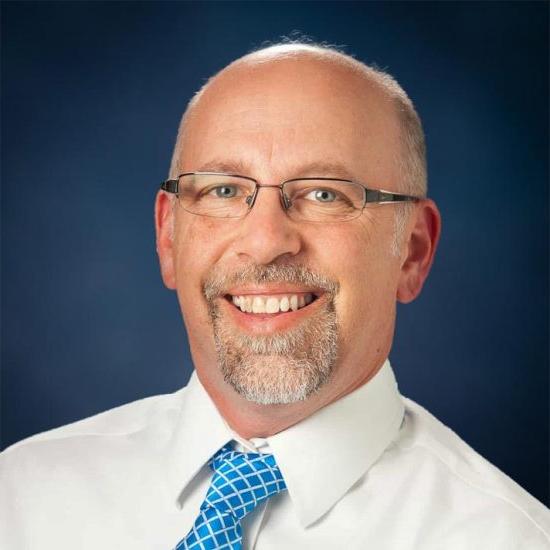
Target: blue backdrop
(91,97)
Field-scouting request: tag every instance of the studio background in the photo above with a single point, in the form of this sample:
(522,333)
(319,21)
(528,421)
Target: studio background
(91,98)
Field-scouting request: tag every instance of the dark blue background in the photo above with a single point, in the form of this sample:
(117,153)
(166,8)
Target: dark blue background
(92,94)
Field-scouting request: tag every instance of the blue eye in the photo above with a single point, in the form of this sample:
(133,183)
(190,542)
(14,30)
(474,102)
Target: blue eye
(322,195)
(225,191)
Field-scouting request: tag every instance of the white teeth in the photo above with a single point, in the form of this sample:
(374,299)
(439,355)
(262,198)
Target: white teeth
(272,304)
(258,305)
(245,303)
(285,304)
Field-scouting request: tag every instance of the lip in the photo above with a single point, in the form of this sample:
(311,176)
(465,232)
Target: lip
(268,323)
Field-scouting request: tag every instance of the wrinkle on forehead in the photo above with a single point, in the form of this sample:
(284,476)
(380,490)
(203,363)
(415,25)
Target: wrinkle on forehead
(311,169)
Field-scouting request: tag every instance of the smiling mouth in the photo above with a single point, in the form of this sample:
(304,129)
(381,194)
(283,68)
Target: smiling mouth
(270,303)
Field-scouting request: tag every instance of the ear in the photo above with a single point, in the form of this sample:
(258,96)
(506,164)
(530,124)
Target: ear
(164,226)
(424,231)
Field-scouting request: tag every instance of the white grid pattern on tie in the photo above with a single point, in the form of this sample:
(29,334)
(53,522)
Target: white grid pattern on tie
(211,535)
(244,478)
(199,542)
(224,490)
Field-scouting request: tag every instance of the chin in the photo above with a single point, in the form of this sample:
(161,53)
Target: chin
(275,379)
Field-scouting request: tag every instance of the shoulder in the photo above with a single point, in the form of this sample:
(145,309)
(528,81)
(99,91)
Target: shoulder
(104,438)
(124,419)
(463,479)
(52,483)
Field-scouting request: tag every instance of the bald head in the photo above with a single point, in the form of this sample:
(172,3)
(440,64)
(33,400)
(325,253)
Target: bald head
(370,97)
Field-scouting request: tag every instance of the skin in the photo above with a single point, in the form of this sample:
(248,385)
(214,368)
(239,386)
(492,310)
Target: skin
(271,119)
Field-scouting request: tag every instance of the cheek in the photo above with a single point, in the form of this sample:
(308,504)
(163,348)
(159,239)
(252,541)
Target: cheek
(359,257)
(197,247)
(196,253)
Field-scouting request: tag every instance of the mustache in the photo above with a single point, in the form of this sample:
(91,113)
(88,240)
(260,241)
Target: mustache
(219,282)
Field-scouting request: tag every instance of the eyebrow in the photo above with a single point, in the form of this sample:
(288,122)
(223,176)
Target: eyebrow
(320,168)
(228,167)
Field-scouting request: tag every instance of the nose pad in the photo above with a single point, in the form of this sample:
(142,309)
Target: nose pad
(285,201)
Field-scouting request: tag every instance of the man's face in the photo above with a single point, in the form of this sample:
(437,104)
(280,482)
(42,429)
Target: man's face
(275,122)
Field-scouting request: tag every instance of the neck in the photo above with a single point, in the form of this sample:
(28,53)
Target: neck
(250,419)
(253,420)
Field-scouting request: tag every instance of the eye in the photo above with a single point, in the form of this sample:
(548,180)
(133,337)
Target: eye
(224,191)
(322,195)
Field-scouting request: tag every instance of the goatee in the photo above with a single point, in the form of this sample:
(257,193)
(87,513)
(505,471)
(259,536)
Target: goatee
(284,367)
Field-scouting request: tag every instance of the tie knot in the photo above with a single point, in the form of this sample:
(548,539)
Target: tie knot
(242,480)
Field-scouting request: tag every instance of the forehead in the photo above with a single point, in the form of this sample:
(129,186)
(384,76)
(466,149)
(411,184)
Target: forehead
(280,118)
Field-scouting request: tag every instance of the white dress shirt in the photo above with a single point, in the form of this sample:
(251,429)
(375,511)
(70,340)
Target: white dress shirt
(371,471)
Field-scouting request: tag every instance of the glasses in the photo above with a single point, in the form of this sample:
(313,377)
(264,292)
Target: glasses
(305,199)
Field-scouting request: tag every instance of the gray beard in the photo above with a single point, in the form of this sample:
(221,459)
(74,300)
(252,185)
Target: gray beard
(279,368)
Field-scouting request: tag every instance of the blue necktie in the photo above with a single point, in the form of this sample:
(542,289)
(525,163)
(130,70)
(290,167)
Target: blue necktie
(240,482)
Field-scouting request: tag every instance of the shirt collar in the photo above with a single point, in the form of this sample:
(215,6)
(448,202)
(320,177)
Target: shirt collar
(199,433)
(344,439)
(339,442)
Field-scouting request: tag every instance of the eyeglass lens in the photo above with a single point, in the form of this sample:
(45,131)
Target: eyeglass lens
(224,196)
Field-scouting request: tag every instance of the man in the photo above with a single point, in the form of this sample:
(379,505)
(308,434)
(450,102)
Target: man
(294,218)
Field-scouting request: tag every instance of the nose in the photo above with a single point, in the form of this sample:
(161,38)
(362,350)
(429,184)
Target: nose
(266,232)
